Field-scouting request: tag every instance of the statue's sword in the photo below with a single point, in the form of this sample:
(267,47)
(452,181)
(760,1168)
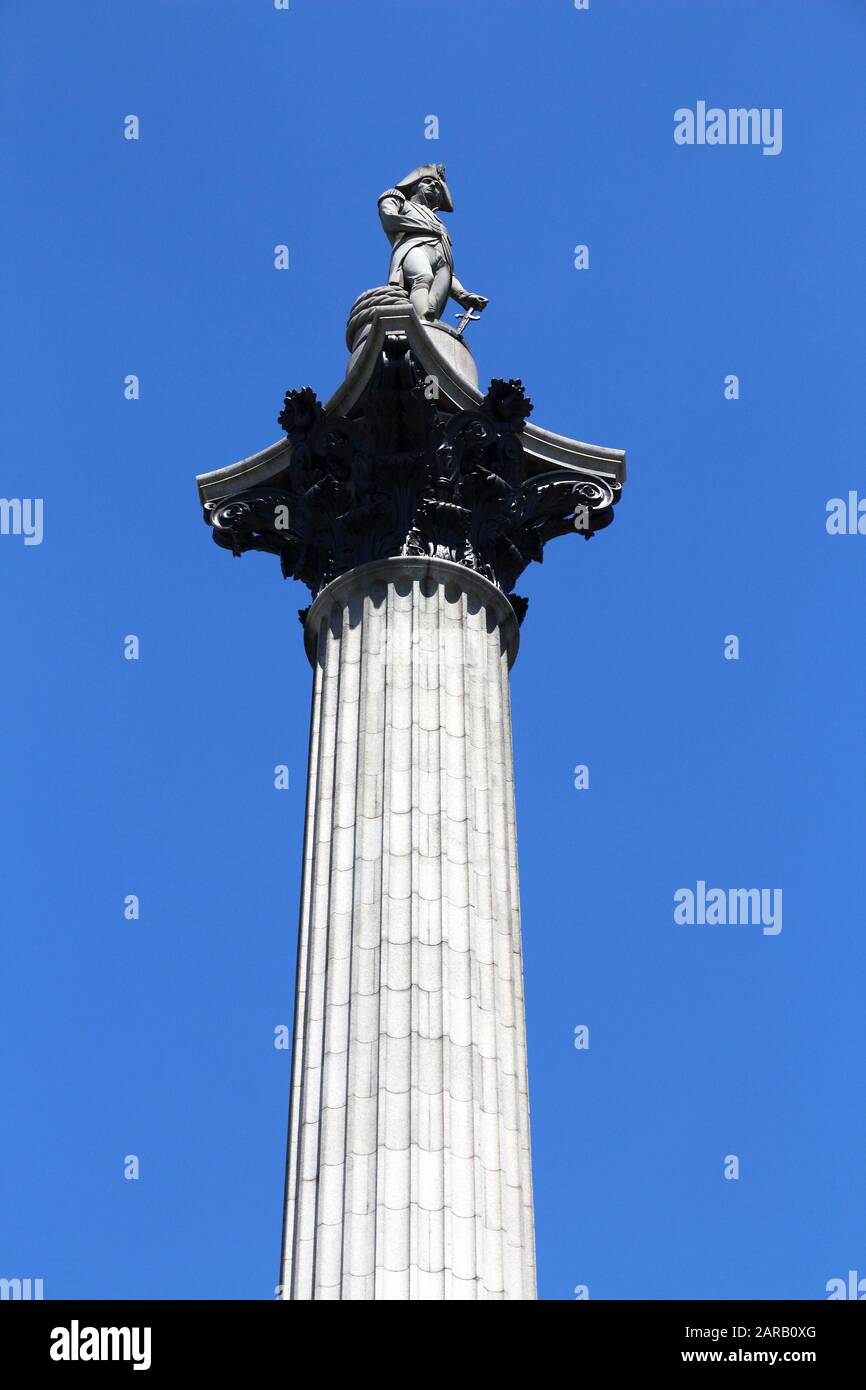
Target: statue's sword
(466,317)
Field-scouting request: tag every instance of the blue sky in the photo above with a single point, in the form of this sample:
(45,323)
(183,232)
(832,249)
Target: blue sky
(155,777)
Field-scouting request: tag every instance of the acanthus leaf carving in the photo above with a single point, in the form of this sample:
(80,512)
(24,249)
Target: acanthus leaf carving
(404,477)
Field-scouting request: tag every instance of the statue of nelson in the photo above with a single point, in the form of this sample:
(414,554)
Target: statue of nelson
(421,261)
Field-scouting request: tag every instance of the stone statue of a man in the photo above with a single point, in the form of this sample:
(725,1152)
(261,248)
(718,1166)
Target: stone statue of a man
(421,261)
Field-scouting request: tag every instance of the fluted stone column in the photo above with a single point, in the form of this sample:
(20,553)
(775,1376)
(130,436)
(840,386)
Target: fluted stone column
(409,504)
(408,1172)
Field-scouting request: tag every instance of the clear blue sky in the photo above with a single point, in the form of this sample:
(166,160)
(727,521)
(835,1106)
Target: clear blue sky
(156,777)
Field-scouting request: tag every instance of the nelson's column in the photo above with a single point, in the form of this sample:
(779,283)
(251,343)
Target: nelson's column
(410,503)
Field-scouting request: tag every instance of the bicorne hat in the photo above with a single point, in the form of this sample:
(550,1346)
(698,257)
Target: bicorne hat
(408,184)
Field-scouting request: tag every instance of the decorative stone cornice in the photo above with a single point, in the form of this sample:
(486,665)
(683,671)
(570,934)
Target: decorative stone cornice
(407,473)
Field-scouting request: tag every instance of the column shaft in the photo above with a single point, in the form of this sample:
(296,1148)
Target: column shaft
(408,1170)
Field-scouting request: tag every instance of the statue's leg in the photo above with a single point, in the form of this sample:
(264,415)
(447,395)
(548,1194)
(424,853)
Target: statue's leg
(441,287)
(418,279)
